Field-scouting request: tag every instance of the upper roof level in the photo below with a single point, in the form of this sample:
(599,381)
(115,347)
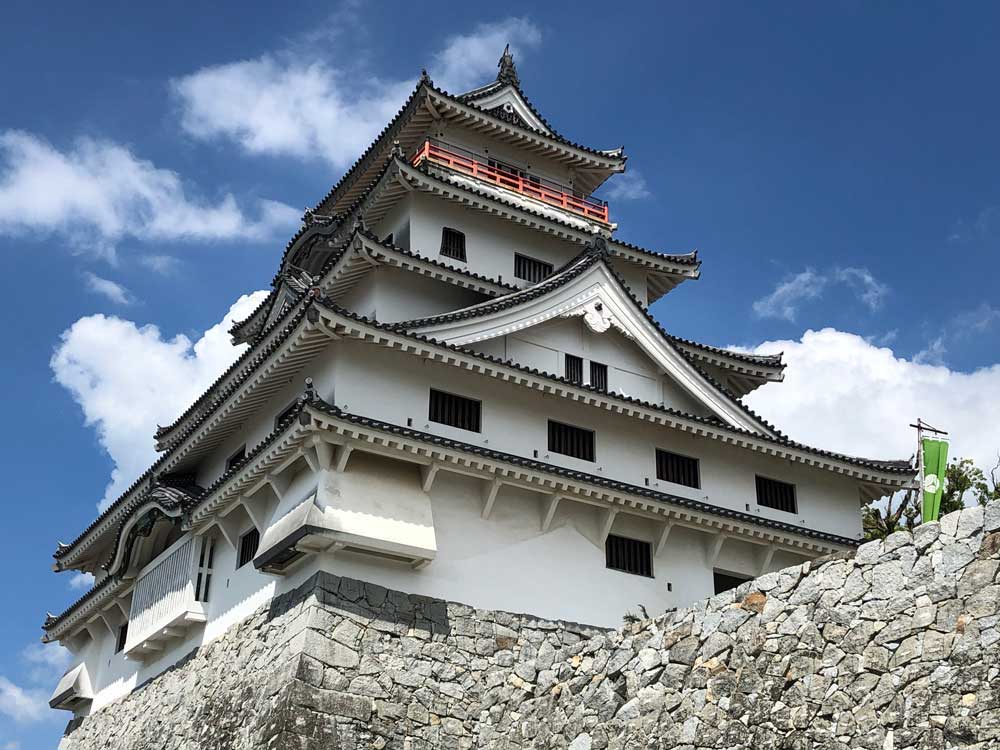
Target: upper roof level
(499,111)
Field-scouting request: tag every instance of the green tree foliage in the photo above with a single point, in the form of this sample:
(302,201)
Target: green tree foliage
(964,483)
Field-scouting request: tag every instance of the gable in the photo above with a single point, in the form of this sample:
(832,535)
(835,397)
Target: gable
(588,290)
(507,104)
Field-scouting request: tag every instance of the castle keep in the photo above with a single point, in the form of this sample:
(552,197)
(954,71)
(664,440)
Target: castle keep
(454,392)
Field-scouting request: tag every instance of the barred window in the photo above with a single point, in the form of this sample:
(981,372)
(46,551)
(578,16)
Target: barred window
(599,376)
(122,637)
(456,411)
(671,467)
(203,580)
(571,441)
(629,555)
(774,494)
(237,458)
(249,543)
(453,243)
(531,269)
(574,369)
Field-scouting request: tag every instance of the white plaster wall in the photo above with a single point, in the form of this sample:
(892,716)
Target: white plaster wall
(491,242)
(366,380)
(515,421)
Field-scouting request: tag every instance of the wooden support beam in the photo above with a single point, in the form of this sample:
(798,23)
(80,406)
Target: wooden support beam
(94,629)
(550,511)
(110,623)
(490,490)
(766,562)
(229,527)
(607,520)
(714,548)
(279,483)
(124,606)
(664,534)
(324,453)
(343,453)
(260,512)
(427,474)
(310,457)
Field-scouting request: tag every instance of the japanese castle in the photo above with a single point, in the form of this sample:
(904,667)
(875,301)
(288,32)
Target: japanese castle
(455,389)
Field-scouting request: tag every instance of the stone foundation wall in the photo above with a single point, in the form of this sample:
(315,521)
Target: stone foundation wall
(897,646)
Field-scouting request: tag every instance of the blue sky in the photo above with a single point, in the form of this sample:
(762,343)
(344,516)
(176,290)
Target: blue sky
(836,166)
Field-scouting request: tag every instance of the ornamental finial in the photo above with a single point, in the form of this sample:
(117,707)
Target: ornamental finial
(397,149)
(508,73)
(598,246)
(425,77)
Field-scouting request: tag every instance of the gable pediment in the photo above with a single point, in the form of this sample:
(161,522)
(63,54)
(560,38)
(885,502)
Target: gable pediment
(590,292)
(508,105)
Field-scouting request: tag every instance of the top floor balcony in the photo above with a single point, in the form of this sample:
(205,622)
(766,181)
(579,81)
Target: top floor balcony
(511,178)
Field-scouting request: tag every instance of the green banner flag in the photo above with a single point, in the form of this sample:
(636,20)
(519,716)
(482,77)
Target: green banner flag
(935,467)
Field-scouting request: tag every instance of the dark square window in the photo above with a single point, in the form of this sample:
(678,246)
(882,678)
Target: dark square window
(726,581)
(453,244)
(574,369)
(774,494)
(599,376)
(122,638)
(571,441)
(455,411)
(237,458)
(671,467)
(531,269)
(629,555)
(248,547)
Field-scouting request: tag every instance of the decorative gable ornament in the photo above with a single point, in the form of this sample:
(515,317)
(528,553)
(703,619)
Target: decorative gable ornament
(598,318)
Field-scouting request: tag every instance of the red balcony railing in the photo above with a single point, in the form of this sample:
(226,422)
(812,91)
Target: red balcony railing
(512,179)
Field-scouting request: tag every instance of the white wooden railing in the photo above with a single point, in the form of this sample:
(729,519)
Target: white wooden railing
(164,601)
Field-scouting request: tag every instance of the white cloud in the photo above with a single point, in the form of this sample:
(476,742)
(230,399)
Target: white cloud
(470,60)
(99,192)
(309,107)
(869,290)
(985,227)
(23,705)
(979,319)
(81,581)
(161,264)
(789,295)
(933,353)
(96,361)
(12,745)
(47,661)
(784,301)
(108,289)
(843,393)
(629,186)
